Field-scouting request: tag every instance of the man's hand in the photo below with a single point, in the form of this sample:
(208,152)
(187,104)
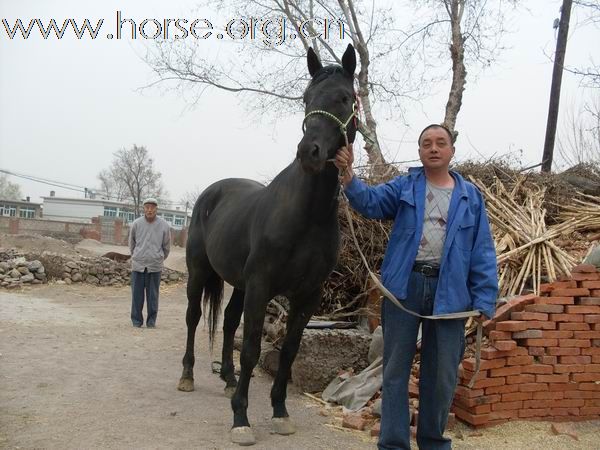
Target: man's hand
(480,318)
(343,161)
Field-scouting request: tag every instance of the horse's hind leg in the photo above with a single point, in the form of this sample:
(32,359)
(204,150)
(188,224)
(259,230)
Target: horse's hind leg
(301,310)
(233,314)
(195,287)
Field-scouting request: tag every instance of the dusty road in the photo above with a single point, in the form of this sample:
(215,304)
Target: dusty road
(74,374)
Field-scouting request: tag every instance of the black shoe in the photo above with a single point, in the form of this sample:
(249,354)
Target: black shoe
(150,325)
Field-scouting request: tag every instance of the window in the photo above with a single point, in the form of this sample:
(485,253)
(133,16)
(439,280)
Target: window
(110,211)
(168,217)
(8,210)
(179,220)
(27,213)
(127,216)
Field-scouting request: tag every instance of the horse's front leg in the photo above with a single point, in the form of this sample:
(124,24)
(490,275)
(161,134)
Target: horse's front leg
(302,308)
(255,305)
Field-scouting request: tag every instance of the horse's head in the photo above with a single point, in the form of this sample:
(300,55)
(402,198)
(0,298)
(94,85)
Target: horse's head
(329,107)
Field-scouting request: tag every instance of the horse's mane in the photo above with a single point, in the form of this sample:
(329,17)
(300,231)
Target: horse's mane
(324,73)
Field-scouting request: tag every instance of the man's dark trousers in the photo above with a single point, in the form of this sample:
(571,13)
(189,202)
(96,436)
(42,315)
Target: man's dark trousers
(442,349)
(144,284)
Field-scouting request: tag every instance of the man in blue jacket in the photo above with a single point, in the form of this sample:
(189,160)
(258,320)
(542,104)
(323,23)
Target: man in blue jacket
(440,259)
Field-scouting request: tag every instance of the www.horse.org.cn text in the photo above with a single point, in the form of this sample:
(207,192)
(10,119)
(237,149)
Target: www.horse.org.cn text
(273,31)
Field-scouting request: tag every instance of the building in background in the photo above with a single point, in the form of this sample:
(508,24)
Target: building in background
(84,209)
(22,209)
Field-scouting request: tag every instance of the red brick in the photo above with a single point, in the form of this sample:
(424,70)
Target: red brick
(557,309)
(590,284)
(492,353)
(354,421)
(504,406)
(548,359)
(481,409)
(548,395)
(538,404)
(596,359)
(586,377)
(594,368)
(511,325)
(568,368)
(483,400)
(375,429)
(466,392)
(555,334)
(527,334)
(581,359)
(521,379)
(473,419)
(519,360)
(585,277)
(553,301)
(562,378)
(586,335)
(591,301)
(581,343)
(489,382)
(469,364)
(563,387)
(525,413)
(533,387)
(582,394)
(522,315)
(549,287)
(570,292)
(595,326)
(516,396)
(504,311)
(467,375)
(584,268)
(537,368)
(505,346)
(537,351)
(505,371)
(504,389)
(563,351)
(590,351)
(592,318)
(496,335)
(592,402)
(594,293)
(566,317)
(574,326)
(590,410)
(582,309)
(502,416)
(541,342)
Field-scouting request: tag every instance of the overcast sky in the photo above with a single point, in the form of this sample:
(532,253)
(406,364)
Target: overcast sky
(67,105)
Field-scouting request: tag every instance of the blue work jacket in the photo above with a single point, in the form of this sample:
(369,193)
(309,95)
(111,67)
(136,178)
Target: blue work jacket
(468,277)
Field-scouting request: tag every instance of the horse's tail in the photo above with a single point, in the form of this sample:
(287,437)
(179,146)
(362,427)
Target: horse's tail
(213,296)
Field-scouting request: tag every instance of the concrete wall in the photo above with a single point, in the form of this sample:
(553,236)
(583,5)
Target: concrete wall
(71,211)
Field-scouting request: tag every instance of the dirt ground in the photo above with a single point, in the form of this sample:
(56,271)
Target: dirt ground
(74,374)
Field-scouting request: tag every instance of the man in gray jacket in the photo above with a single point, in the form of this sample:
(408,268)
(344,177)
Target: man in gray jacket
(149,244)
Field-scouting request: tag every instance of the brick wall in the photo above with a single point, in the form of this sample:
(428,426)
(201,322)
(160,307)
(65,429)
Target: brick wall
(544,357)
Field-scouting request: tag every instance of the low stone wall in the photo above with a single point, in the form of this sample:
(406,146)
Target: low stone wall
(544,358)
(35,268)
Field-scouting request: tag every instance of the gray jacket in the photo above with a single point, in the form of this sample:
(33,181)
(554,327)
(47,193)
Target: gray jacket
(149,244)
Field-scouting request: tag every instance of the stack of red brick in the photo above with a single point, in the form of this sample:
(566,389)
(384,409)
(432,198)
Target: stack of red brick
(544,358)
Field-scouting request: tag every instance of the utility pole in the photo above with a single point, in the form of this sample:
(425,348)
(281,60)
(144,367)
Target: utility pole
(559,60)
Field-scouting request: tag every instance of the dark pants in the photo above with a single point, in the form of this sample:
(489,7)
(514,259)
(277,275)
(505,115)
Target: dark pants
(442,349)
(144,284)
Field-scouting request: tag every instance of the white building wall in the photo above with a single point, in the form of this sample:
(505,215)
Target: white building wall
(71,210)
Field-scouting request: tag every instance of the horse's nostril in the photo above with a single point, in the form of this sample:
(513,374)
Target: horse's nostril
(315,151)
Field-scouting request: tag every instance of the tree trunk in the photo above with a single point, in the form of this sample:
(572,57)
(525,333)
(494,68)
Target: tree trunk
(459,72)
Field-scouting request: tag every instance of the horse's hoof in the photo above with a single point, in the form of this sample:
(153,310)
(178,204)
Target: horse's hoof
(229,391)
(283,426)
(242,436)
(186,384)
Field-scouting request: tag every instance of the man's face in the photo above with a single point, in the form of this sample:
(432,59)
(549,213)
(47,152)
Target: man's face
(150,211)
(435,149)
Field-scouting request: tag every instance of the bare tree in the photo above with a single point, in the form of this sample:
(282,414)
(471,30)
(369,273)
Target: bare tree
(9,190)
(111,186)
(133,171)
(589,74)
(579,138)
(395,65)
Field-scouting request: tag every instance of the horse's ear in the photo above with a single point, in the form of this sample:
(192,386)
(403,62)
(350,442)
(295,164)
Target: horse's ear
(313,62)
(349,60)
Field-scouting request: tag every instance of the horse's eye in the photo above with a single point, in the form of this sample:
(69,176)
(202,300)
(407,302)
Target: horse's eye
(345,99)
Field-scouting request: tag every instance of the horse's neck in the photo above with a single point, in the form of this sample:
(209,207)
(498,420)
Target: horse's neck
(311,196)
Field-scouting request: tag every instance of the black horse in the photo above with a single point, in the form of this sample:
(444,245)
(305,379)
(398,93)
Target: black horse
(280,239)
